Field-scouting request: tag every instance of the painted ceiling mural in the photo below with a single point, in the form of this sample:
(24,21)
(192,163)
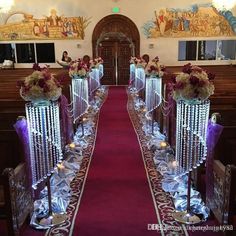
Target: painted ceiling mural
(195,21)
(47,27)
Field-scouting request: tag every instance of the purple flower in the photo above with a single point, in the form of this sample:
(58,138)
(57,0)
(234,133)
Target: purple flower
(196,69)
(194,80)
(36,67)
(201,83)
(179,85)
(173,78)
(211,76)
(41,83)
(46,88)
(187,68)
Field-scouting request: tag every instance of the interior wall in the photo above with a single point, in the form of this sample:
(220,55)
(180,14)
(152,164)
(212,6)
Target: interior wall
(138,11)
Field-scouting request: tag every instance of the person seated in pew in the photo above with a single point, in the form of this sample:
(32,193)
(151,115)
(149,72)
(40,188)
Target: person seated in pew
(86,60)
(65,60)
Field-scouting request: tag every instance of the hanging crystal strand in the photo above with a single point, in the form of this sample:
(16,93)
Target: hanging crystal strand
(45,146)
(50,162)
(82,96)
(37,149)
(75,92)
(28,110)
(148,103)
(179,136)
(47,138)
(54,161)
(187,138)
(192,114)
(35,141)
(41,142)
(58,134)
(202,134)
(51,142)
(86,94)
(185,125)
(75,88)
(189,141)
(206,113)
(195,138)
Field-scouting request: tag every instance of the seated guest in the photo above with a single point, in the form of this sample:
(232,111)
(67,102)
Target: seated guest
(86,60)
(65,60)
(145,57)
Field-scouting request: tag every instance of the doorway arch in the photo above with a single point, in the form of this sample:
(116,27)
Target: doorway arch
(116,38)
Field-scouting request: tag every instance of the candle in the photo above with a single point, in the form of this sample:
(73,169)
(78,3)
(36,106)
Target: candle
(172,166)
(72,145)
(163,144)
(61,170)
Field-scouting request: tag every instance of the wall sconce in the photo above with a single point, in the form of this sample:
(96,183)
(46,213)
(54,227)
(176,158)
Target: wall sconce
(78,45)
(151,45)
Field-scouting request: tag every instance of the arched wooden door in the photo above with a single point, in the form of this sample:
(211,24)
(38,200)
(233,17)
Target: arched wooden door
(116,39)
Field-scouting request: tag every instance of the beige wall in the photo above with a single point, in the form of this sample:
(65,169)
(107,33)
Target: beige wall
(139,11)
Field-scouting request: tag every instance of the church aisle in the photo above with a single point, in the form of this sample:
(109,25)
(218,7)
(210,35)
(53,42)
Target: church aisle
(116,198)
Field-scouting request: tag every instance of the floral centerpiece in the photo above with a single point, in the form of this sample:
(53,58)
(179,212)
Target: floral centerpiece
(40,86)
(193,84)
(95,63)
(154,68)
(78,69)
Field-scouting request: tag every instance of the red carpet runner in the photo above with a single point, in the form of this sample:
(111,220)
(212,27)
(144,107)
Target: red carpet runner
(116,198)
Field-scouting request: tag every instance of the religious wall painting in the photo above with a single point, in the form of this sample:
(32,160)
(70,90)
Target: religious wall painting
(47,27)
(196,21)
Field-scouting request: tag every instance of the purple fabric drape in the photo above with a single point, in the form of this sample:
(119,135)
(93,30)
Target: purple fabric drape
(66,121)
(21,129)
(213,134)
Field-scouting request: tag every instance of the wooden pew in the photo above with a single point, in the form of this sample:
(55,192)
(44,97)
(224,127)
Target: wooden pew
(224,197)
(11,149)
(225,150)
(16,201)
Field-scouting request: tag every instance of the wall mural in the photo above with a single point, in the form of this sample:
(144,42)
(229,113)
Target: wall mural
(196,21)
(48,27)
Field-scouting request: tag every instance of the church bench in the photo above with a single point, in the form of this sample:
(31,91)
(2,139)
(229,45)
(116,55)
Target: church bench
(11,149)
(8,103)
(225,150)
(228,114)
(223,200)
(8,118)
(15,198)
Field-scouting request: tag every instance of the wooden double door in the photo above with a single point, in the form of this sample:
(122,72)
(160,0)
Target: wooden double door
(116,56)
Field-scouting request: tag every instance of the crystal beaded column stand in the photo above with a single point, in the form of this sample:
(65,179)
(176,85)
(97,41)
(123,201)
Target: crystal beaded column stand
(45,150)
(191,149)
